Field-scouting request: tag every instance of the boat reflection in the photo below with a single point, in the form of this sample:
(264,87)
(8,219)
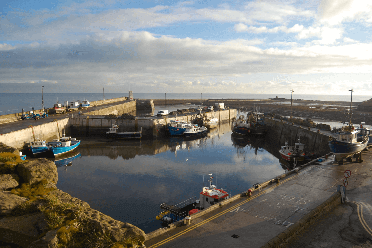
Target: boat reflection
(66,159)
(255,142)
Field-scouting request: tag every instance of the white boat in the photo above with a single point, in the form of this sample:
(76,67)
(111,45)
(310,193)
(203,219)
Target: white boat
(59,108)
(195,131)
(74,105)
(85,104)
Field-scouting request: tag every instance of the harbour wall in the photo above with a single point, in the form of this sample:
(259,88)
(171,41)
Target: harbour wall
(279,132)
(152,127)
(46,131)
(17,116)
(128,107)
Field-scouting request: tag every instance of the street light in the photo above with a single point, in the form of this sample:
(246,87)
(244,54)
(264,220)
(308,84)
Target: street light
(291,102)
(351,101)
(42,98)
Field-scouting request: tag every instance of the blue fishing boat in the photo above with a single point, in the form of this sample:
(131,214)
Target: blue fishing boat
(63,145)
(39,147)
(346,142)
(177,128)
(23,157)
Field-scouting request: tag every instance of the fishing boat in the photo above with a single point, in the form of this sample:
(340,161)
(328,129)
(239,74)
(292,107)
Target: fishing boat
(293,154)
(257,123)
(59,108)
(63,145)
(177,128)
(209,196)
(114,134)
(85,104)
(195,131)
(39,147)
(242,126)
(346,142)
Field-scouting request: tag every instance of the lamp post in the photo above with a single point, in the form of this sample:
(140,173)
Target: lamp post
(291,102)
(351,101)
(42,98)
(165,100)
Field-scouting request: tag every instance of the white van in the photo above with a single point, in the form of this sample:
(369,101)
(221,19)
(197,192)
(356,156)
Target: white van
(162,112)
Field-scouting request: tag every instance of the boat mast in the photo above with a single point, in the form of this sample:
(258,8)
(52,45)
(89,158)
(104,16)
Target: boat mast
(42,98)
(351,101)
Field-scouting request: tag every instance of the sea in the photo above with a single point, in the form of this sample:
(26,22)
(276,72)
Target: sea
(128,180)
(14,102)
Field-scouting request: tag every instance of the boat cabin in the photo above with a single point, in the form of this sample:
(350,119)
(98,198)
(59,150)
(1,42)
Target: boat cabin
(348,137)
(211,195)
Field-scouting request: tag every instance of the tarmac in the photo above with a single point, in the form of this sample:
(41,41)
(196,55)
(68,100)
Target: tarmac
(303,210)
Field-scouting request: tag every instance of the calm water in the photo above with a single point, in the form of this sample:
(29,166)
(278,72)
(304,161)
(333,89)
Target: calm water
(129,180)
(14,102)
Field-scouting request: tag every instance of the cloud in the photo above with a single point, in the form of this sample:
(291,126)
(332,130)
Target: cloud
(334,12)
(263,29)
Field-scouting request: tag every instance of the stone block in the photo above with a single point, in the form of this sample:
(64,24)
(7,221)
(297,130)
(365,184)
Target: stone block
(36,170)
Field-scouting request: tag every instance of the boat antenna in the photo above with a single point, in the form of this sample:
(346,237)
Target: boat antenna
(216,181)
(210,180)
(351,101)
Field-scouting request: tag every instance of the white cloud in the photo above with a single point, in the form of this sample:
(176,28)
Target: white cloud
(334,12)
(263,29)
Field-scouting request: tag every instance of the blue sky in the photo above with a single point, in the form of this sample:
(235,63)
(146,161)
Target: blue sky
(272,46)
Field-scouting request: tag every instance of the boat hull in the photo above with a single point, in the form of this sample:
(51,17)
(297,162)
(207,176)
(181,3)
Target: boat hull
(241,130)
(176,131)
(58,150)
(343,149)
(39,150)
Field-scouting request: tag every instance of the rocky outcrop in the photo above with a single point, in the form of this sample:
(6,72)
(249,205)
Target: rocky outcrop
(8,181)
(9,201)
(5,148)
(49,217)
(34,171)
(22,230)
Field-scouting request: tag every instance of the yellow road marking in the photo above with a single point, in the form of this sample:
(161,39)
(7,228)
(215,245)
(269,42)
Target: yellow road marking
(218,215)
(361,218)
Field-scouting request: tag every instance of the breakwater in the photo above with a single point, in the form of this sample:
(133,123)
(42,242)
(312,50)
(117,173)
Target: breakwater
(152,127)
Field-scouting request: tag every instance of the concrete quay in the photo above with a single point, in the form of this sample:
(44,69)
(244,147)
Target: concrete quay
(284,212)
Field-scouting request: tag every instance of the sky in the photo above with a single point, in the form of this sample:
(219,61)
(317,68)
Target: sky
(254,47)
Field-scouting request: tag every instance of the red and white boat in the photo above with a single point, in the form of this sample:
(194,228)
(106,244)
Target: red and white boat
(59,108)
(209,196)
(293,154)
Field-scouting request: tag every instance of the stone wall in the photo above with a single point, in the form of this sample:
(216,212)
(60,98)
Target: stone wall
(281,131)
(45,131)
(128,107)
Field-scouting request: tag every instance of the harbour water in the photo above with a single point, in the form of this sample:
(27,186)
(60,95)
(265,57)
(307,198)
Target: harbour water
(129,180)
(14,102)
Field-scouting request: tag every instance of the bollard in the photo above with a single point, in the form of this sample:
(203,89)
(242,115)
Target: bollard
(187,220)
(249,192)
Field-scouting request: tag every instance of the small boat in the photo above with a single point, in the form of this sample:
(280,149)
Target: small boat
(242,126)
(59,108)
(63,145)
(195,131)
(293,154)
(176,128)
(211,123)
(23,157)
(208,197)
(85,104)
(39,147)
(113,133)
